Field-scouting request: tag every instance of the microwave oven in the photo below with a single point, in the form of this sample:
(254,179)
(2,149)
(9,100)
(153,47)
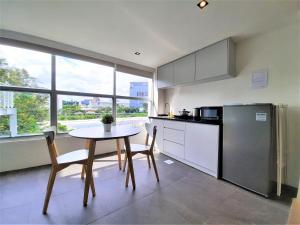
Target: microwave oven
(211,112)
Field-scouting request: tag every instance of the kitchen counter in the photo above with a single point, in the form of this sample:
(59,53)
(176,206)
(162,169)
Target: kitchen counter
(213,122)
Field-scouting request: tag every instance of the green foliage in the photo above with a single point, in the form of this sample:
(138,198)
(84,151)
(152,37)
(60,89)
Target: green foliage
(15,76)
(4,127)
(62,128)
(32,109)
(107,118)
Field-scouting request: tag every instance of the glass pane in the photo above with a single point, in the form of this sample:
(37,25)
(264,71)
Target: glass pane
(133,112)
(81,76)
(133,86)
(78,111)
(23,113)
(24,68)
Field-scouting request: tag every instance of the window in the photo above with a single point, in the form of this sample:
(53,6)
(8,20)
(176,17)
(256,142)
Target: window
(130,111)
(81,76)
(82,93)
(80,111)
(24,68)
(133,86)
(23,113)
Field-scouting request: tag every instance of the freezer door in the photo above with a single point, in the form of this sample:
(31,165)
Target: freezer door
(247,143)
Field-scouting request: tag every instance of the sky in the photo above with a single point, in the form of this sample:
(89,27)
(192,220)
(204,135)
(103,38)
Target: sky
(71,74)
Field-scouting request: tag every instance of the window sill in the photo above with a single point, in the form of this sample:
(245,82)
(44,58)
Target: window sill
(29,138)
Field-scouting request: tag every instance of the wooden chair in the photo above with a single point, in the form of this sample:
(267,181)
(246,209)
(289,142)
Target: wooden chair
(60,162)
(144,149)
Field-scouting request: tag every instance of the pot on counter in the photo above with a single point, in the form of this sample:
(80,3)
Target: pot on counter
(184,112)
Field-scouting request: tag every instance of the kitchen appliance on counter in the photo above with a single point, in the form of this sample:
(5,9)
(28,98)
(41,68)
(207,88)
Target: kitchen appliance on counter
(211,112)
(196,113)
(183,114)
(249,146)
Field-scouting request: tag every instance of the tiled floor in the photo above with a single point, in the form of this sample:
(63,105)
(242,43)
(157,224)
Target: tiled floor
(184,196)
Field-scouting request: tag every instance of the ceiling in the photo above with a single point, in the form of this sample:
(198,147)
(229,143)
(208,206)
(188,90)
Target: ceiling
(162,30)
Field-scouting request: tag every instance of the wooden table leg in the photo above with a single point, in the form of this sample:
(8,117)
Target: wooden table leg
(129,158)
(119,153)
(89,170)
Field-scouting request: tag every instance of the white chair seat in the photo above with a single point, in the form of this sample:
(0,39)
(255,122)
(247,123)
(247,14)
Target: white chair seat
(139,147)
(74,156)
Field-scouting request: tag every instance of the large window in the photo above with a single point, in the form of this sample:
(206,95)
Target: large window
(80,76)
(80,111)
(39,89)
(23,113)
(136,93)
(130,111)
(133,86)
(24,68)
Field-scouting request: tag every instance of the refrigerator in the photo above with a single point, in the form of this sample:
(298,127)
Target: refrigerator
(249,147)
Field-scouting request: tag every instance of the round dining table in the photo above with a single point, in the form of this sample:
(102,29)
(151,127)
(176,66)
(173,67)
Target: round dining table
(94,134)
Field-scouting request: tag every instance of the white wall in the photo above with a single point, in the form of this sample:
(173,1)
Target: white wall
(277,51)
(30,152)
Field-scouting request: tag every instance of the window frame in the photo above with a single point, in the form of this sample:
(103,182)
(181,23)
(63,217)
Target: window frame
(53,92)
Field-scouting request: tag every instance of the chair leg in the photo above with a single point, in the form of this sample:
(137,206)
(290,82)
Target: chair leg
(127,177)
(148,159)
(82,172)
(154,166)
(125,160)
(49,189)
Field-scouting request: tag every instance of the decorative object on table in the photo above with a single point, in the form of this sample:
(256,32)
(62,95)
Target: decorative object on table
(107,120)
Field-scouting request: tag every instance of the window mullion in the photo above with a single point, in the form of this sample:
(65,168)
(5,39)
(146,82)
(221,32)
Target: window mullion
(53,99)
(114,99)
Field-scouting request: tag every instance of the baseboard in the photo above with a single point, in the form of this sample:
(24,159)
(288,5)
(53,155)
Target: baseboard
(289,191)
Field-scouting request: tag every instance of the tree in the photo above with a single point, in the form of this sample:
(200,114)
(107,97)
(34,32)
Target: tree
(32,109)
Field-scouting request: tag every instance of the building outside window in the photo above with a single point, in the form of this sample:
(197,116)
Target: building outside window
(132,110)
(83,91)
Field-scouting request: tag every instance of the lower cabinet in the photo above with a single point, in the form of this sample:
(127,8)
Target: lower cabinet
(174,149)
(195,144)
(202,146)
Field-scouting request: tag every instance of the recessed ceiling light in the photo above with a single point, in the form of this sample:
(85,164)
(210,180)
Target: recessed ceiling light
(202,4)
(137,53)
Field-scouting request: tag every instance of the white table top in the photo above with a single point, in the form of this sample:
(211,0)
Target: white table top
(97,133)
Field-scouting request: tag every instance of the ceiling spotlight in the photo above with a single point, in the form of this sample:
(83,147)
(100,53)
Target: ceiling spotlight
(202,4)
(137,53)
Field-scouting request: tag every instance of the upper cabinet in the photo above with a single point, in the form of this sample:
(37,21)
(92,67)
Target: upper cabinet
(214,62)
(165,76)
(184,69)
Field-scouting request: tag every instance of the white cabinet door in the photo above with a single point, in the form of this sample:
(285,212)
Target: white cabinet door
(202,145)
(212,61)
(165,76)
(174,149)
(184,69)
(159,135)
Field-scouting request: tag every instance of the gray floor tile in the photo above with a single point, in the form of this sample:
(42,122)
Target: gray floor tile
(184,195)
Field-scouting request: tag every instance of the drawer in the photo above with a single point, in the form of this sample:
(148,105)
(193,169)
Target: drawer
(174,149)
(174,125)
(174,135)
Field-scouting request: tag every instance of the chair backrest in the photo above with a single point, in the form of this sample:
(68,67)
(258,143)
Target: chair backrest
(151,131)
(50,136)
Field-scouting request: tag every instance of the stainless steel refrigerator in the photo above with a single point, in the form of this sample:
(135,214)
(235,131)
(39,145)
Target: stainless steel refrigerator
(249,146)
